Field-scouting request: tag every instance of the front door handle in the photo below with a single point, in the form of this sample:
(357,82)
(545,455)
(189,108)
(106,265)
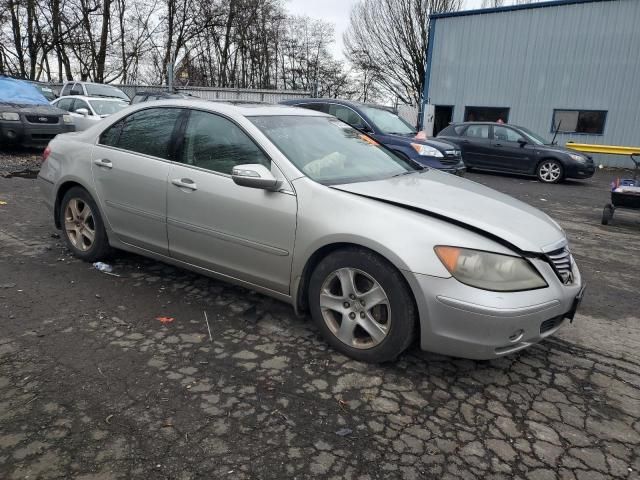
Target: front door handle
(497,144)
(185,183)
(103,162)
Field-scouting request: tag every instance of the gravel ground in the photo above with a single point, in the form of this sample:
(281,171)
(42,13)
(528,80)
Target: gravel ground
(20,162)
(94,386)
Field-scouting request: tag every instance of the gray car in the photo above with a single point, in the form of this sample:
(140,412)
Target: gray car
(300,206)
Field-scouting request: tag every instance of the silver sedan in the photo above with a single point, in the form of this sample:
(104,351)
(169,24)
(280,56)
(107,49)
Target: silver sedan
(299,206)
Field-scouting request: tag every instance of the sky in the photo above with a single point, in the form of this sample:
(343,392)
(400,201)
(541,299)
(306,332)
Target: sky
(337,12)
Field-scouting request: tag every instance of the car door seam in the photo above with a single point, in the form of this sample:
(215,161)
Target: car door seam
(137,211)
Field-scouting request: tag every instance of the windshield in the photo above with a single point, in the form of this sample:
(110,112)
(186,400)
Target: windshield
(95,90)
(388,122)
(45,91)
(107,107)
(330,151)
(537,139)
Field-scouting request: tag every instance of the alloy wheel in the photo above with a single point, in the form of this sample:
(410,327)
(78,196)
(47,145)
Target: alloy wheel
(79,224)
(355,307)
(550,172)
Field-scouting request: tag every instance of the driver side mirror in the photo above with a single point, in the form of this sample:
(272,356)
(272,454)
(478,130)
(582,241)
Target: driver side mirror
(255,175)
(82,111)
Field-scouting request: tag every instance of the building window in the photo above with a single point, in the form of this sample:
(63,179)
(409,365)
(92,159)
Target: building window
(486,114)
(579,121)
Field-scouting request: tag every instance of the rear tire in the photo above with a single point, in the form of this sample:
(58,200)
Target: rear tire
(607,214)
(362,305)
(82,226)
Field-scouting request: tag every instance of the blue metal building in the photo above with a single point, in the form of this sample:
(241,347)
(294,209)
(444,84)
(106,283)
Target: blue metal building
(572,63)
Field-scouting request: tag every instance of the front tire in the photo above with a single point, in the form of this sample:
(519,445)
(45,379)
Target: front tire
(362,305)
(82,226)
(550,171)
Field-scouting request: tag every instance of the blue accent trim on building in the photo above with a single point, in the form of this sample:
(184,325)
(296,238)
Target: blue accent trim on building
(511,8)
(427,73)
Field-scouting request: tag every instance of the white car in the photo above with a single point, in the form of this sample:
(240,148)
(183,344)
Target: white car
(87,111)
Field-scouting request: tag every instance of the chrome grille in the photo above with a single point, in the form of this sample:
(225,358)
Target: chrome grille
(561,261)
(49,119)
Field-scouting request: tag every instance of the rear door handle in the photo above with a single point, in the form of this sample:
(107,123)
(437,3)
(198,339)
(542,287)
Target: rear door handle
(103,162)
(185,183)
(497,144)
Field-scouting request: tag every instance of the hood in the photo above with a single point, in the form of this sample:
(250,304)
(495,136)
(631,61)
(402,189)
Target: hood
(469,203)
(31,109)
(432,142)
(560,149)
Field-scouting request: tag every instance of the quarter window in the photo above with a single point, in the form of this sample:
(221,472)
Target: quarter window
(579,121)
(148,132)
(66,90)
(217,144)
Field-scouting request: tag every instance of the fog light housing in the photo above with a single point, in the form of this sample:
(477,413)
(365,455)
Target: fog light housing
(516,336)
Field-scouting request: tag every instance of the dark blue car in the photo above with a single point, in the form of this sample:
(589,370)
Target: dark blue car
(390,130)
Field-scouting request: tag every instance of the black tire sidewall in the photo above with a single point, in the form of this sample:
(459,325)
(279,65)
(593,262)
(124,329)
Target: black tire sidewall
(100,247)
(403,310)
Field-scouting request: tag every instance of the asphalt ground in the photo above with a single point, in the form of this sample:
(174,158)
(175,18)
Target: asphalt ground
(94,386)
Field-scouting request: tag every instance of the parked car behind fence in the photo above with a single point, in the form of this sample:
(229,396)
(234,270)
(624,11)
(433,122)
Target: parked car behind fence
(86,111)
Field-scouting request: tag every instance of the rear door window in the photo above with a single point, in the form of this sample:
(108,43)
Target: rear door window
(149,132)
(477,131)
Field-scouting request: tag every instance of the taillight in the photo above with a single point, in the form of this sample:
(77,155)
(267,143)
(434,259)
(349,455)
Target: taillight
(46,153)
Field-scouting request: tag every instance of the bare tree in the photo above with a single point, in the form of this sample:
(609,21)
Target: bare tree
(388,38)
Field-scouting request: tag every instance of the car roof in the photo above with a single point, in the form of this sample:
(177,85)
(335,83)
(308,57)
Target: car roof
(485,123)
(244,109)
(338,101)
(85,97)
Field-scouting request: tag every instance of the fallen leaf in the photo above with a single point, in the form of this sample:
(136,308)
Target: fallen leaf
(165,320)
(2,202)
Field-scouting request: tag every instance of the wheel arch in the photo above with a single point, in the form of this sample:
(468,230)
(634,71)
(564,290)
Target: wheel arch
(301,285)
(548,157)
(61,191)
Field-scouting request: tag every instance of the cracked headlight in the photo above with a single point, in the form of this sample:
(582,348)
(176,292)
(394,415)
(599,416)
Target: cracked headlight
(11,116)
(426,150)
(490,271)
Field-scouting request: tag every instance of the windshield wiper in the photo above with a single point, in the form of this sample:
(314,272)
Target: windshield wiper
(403,173)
